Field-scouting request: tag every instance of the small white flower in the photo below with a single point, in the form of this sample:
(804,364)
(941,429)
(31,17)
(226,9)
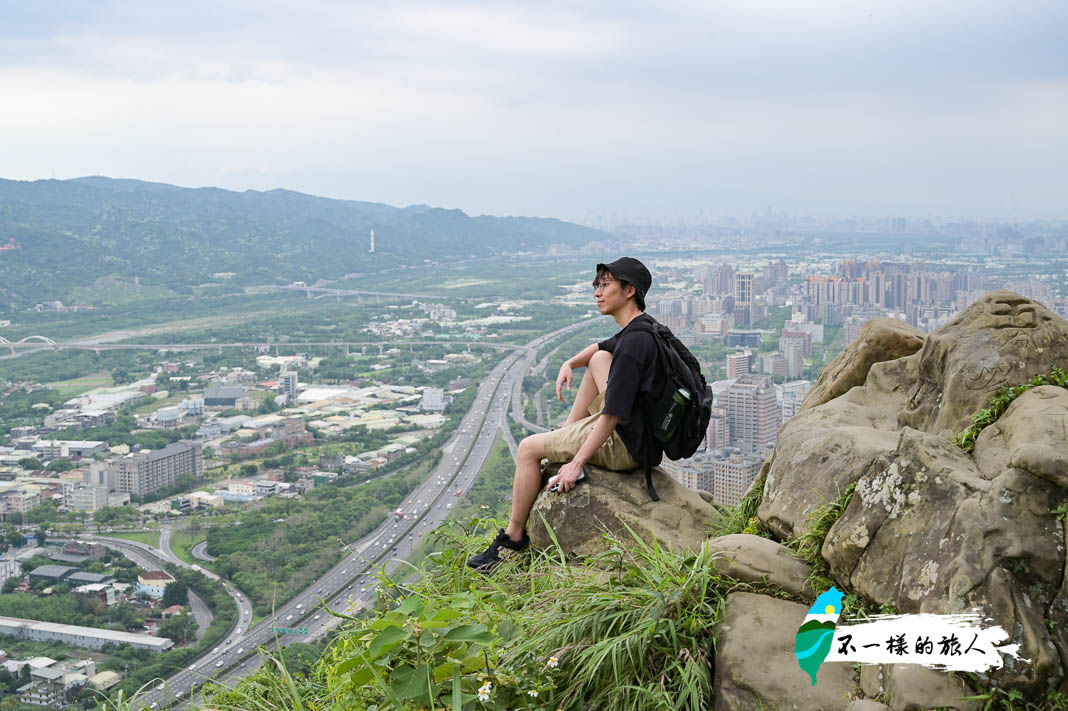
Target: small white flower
(553,662)
(483,694)
(532,692)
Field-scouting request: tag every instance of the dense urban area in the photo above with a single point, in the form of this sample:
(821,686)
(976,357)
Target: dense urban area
(174,476)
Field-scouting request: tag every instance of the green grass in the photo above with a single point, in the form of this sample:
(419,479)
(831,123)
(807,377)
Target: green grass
(638,636)
(183,542)
(149,537)
(1000,401)
(76,386)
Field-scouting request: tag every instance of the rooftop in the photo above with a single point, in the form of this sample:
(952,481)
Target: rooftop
(156,575)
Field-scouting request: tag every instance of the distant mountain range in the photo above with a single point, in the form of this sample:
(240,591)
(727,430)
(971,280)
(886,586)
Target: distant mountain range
(75,238)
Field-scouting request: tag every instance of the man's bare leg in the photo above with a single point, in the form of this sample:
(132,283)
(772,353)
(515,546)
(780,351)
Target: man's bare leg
(593,383)
(526,484)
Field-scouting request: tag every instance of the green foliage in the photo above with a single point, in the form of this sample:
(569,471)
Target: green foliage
(741,518)
(84,237)
(177,593)
(181,627)
(146,668)
(1000,401)
(280,545)
(996,698)
(810,543)
(424,653)
(636,639)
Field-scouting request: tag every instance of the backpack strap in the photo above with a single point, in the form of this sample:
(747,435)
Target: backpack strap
(649,482)
(640,326)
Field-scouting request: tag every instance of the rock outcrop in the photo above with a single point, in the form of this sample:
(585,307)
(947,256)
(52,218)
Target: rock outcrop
(611,501)
(879,340)
(755,665)
(931,528)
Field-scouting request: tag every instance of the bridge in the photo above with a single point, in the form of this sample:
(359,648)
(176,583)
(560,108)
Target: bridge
(45,340)
(322,291)
(31,343)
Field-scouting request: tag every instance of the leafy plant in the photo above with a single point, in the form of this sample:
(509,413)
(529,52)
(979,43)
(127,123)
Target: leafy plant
(640,639)
(1000,401)
(810,543)
(1000,699)
(742,518)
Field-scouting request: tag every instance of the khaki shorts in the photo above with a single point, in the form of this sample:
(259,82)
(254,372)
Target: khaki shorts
(563,444)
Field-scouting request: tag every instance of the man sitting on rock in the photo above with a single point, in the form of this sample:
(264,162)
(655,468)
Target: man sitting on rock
(606,426)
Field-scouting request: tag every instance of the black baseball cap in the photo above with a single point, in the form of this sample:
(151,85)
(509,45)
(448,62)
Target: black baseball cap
(633,272)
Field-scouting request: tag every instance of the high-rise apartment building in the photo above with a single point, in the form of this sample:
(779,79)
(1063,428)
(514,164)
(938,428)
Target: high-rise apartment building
(146,472)
(753,413)
(739,363)
(290,380)
(793,350)
(743,299)
(719,433)
(793,394)
(726,475)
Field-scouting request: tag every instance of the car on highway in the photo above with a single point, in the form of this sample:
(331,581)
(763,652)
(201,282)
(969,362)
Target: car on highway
(317,616)
(218,664)
(289,617)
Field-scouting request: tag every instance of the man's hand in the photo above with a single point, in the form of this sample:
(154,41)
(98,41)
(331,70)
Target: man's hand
(568,476)
(564,376)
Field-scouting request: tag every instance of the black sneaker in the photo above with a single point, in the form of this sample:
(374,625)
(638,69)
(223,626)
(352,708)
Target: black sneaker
(489,559)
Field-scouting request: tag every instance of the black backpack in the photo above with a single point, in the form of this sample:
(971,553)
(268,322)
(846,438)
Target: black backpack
(678,415)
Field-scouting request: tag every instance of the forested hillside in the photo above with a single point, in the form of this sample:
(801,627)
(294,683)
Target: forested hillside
(77,239)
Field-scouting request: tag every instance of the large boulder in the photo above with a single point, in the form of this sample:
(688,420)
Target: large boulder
(879,340)
(755,666)
(610,501)
(752,559)
(911,687)
(930,527)
(1001,339)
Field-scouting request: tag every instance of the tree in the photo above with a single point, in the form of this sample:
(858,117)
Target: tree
(249,470)
(40,534)
(176,593)
(181,627)
(60,465)
(30,463)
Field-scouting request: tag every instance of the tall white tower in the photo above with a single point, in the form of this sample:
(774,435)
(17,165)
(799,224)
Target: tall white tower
(372,239)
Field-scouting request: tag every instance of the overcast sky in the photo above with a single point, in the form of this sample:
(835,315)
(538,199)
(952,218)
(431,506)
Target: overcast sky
(921,108)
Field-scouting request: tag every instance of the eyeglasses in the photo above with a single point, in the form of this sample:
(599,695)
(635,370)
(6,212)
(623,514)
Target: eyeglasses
(602,284)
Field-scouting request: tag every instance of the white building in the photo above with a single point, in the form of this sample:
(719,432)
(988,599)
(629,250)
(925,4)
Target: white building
(290,379)
(791,395)
(154,582)
(433,400)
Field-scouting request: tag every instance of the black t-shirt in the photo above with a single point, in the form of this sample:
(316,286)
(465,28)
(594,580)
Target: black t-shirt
(632,381)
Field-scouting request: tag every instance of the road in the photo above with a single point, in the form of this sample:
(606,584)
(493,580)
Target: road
(200,551)
(150,559)
(350,583)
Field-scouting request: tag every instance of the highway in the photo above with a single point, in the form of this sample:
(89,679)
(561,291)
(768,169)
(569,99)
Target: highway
(351,582)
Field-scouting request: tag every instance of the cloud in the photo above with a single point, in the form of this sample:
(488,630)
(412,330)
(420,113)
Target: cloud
(551,108)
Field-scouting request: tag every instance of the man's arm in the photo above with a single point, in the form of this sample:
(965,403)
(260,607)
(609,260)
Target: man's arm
(579,360)
(602,430)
